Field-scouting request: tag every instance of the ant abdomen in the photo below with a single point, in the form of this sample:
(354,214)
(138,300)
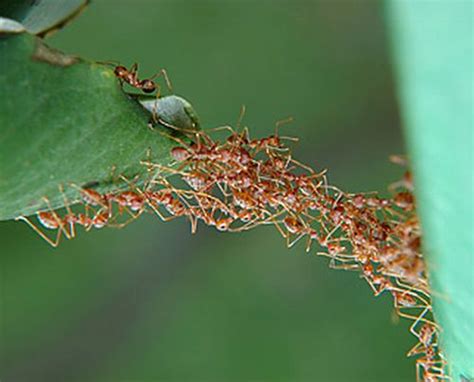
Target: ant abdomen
(148,86)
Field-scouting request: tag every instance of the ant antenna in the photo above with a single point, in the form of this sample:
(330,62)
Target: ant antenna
(241,116)
(282,122)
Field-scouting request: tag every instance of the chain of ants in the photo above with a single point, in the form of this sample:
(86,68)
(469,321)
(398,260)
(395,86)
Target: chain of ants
(241,183)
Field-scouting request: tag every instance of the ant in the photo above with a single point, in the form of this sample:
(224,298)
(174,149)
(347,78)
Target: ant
(130,76)
(51,220)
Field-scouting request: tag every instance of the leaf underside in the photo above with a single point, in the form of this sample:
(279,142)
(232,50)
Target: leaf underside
(41,16)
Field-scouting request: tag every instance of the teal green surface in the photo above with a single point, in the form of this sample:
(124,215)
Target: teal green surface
(433,46)
(154,303)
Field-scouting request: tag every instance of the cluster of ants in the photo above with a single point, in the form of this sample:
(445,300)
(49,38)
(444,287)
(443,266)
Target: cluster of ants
(238,183)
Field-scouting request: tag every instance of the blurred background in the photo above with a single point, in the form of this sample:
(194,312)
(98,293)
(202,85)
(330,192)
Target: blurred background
(154,303)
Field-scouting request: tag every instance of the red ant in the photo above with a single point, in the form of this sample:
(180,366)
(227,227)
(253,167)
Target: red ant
(130,76)
(49,220)
(53,221)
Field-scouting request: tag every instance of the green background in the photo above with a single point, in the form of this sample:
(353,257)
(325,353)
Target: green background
(154,303)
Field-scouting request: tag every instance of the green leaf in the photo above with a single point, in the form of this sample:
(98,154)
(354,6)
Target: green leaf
(434,60)
(41,16)
(64,120)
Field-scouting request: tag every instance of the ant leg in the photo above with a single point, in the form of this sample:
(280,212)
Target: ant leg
(282,122)
(132,218)
(41,233)
(194,216)
(222,205)
(414,293)
(224,190)
(56,218)
(291,244)
(416,288)
(183,174)
(154,111)
(342,258)
(158,93)
(134,68)
(133,186)
(192,219)
(288,239)
(276,223)
(241,116)
(271,219)
(150,203)
(158,213)
(425,303)
(308,243)
(442,375)
(400,160)
(95,197)
(259,221)
(393,187)
(182,130)
(377,291)
(346,267)
(287,138)
(280,230)
(417,349)
(176,139)
(443,363)
(109,62)
(303,166)
(207,216)
(164,73)
(70,214)
(224,127)
(194,222)
(246,134)
(168,170)
(155,171)
(326,184)
(152,174)
(415,319)
(399,310)
(419,371)
(419,319)
(326,239)
(155,118)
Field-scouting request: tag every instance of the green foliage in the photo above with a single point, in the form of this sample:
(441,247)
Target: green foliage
(433,53)
(65,120)
(41,16)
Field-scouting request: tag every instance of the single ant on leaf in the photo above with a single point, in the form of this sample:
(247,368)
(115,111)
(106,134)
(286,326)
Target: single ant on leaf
(147,85)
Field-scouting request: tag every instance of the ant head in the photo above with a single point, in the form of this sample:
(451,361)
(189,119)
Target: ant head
(223,224)
(180,154)
(148,86)
(120,71)
(101,219)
